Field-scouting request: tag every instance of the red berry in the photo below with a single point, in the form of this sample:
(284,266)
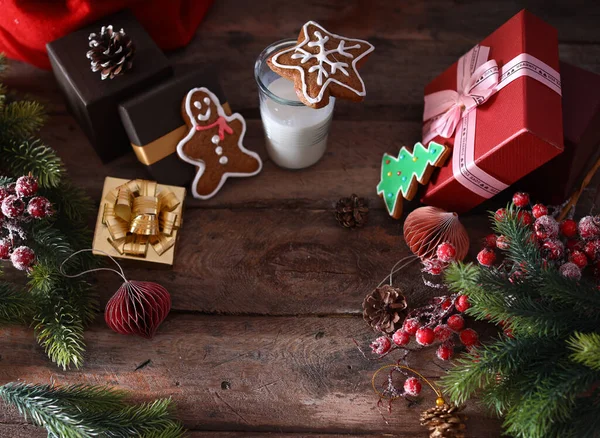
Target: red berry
(12,206)
(462,303)
(22,258)
(411,325)
(553,249)
(26,186)
(425,336)
(489,241)
(574,245)
(578,258)
(433,266)
(570,270)
(469,337)
(502,242)
(500,214)
(39,207)
(588,229)
(546,227)
(5,247)
(568,228)
(3,193)
(445,352)
(539,210)
(456,323)
(525,217)
(381,345)
(521,199)
(516,277)
(401,337)
(592,249)
(412,386)
(446,252)
(509,332)
(486,257)
(446,304)
(442,332)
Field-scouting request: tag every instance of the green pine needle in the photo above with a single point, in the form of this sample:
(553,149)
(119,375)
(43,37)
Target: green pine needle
(33,156)
(15,306)
(586,349)
(20,120)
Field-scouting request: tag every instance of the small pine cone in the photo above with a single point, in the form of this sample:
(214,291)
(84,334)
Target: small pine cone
(111,52)
(351,212)
(444,421)
(384,309)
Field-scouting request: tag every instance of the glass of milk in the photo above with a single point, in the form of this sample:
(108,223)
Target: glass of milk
(296,135)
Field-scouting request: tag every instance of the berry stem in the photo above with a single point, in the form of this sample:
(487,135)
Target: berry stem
(399,368)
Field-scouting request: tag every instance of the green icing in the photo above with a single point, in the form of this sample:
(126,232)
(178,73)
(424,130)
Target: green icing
(397,174)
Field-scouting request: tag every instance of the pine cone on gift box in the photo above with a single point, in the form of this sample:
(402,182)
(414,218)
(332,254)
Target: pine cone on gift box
(111,52)
(384,308)
(444,421)
(351,212)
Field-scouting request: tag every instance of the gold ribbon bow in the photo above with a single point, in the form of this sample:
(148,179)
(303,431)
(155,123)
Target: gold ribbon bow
(139,213)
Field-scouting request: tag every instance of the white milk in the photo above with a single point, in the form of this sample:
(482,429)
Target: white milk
(296,136)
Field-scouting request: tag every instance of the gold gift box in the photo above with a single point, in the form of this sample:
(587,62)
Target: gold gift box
(153,213)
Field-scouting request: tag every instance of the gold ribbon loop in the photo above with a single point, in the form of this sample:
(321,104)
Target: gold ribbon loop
(137,213)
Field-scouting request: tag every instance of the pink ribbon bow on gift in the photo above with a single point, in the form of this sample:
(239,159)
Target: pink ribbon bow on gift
(445,109)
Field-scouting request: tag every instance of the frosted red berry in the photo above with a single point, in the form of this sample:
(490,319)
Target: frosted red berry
(592,249)
(381,345)
(5,248)
(525,217)
(539,210)
(411,325)
(446,252)
(574,245)
(425,336)
(462,303)
(553,249)
(442,333)
(500,214)
(445,352)
(469,337)
(486,257)
(22,258)
(489,241)
(446,304)
(39,207)
(502,242)
(433,266)
(579,258)
(12,206)
(568,228)
(456,323)
(3,193)
(588,228)
(401,338)
(412,386)
(26,186)
(570,270)
(521,199)
(546,227)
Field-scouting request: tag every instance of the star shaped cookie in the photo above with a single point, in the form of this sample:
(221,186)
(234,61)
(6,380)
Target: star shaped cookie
(323,64)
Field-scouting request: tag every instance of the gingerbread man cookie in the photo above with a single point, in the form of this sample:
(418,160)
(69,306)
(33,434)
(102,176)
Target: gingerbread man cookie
(214,143)
(323,64)
(400,175)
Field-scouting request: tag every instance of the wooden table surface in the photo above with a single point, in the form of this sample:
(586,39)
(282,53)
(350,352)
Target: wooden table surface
(267,287)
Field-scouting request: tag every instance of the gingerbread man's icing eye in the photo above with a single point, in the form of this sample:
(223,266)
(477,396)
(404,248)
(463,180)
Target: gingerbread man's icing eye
(206,101)
(197,104)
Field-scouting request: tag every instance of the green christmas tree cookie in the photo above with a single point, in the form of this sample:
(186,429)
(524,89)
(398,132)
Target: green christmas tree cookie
(399,176)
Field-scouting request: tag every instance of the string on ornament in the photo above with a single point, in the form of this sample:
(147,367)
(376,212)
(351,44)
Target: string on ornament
(137,308)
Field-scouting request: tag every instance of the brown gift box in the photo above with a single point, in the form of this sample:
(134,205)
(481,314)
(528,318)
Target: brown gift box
(138,220)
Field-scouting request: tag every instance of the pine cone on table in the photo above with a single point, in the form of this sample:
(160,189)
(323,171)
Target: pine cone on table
(383,309)
(111,52)
(351,212)
(444,421)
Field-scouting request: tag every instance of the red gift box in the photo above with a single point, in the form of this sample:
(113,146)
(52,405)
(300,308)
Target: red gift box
(517,129)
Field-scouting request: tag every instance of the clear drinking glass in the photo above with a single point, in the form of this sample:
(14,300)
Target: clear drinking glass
(296,135)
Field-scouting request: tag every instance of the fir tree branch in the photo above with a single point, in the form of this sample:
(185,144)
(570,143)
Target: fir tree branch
(20,120)
(82,411)
(15,306)
(586,349)
(33,156)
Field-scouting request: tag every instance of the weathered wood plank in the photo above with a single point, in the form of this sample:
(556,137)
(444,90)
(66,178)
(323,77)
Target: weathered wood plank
(284,374)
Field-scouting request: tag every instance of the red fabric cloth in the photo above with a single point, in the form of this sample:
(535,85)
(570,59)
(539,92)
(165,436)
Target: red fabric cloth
(27,25)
